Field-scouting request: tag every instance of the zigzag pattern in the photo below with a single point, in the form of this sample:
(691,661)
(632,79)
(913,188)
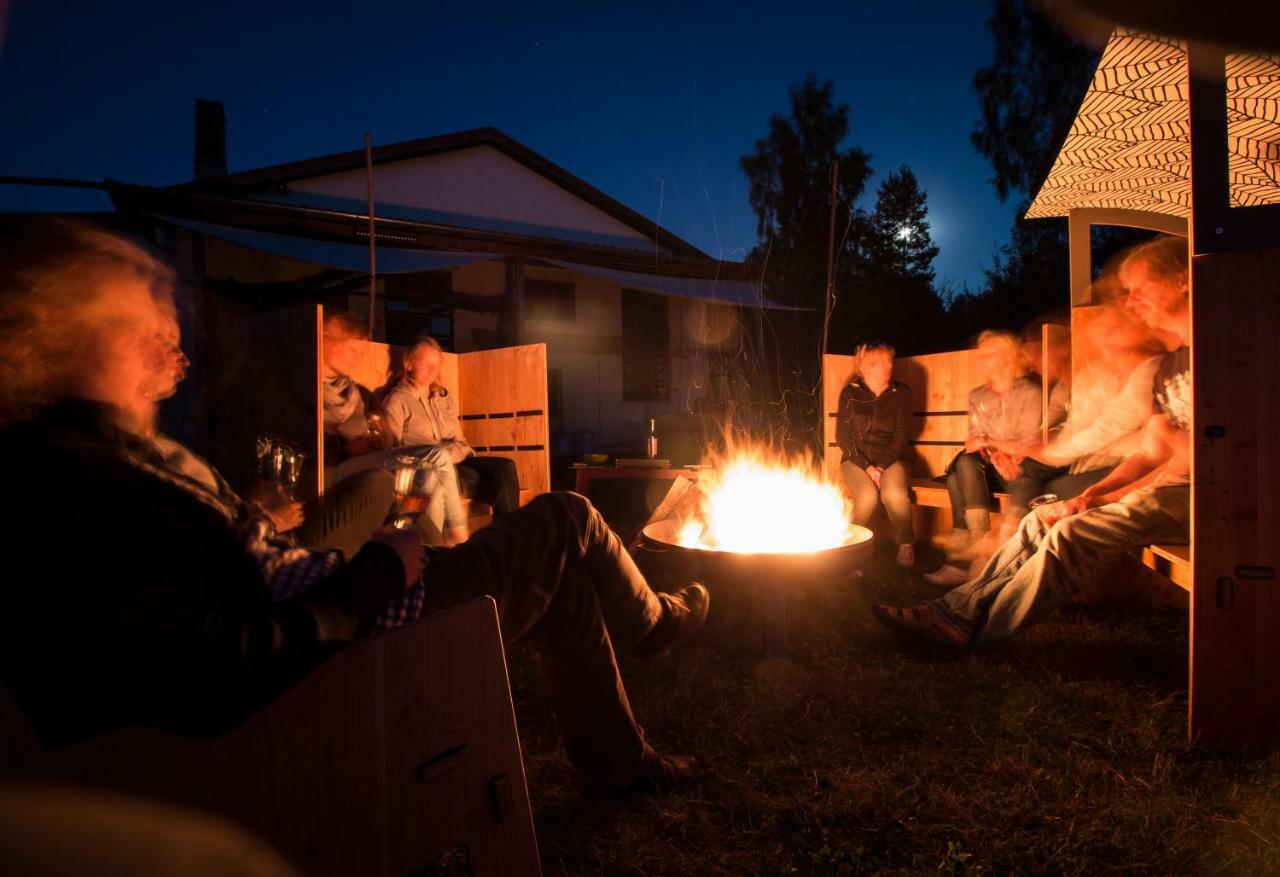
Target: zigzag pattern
(1130,144)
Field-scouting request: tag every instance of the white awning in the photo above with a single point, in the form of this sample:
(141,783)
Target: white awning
(744,293)
(335,254)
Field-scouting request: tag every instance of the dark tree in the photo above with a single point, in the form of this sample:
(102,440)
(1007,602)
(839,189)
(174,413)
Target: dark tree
(1029,97)
(893,297)
(790,177)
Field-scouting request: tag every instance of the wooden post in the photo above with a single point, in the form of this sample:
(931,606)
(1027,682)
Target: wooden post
(373,243)
(1235,365)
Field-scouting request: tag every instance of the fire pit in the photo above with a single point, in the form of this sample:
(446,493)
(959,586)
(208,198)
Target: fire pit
(765,527)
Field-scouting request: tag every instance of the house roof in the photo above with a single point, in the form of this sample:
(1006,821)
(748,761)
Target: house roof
(1130,144)
(244,182)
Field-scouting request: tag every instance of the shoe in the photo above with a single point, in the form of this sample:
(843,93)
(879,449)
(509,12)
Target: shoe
(906,555)
(663,773)
(947,576)
(684,613)
(921,625)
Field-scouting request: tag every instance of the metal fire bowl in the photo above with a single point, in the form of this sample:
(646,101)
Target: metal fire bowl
(767,575)
(765,568)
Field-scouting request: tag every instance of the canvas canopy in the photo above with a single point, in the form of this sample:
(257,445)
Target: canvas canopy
(1130,144)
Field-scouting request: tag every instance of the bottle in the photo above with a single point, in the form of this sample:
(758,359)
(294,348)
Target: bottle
(651,445)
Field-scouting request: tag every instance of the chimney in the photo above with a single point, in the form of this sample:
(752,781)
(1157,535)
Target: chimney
(211,140)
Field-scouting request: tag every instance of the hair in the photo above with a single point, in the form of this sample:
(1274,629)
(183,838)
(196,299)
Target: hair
(56,292)
(1012,343)
(424,342)
(1165,256)
(344,327)
(861,351)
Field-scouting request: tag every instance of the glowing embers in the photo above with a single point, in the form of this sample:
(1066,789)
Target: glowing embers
(752,504)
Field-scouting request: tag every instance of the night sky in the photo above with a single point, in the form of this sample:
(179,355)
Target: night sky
(654,103)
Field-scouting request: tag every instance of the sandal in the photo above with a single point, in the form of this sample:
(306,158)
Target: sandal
(920,624)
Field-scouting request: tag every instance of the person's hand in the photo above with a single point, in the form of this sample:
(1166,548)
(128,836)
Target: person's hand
(874,473)
(408,545)
(285,515)
(1007,465)
(1057,511)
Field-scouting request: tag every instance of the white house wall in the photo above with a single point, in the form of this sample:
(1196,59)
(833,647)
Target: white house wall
(479,181)
(588,354)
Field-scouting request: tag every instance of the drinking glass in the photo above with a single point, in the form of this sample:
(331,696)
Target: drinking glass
(409,505)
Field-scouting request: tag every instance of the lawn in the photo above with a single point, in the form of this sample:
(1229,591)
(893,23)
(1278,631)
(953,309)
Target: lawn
(1063,753)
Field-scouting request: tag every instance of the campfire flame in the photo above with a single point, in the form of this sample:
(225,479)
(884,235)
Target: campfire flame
(752,504)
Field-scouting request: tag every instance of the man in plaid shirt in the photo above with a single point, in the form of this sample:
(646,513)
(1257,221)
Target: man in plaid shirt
(175,604)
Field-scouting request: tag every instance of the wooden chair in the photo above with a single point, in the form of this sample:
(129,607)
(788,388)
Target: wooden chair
(394,753)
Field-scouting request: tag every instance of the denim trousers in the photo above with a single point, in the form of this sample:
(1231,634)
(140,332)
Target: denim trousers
(563,580)
(437,479)
(970,484)
(1043,567)
(894,492)
(1036,479)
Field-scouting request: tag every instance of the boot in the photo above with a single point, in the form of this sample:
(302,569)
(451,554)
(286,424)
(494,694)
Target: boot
(978,521)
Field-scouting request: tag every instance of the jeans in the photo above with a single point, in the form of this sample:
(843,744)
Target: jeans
(562,579)
(493,480)
(436,479)
(348,513)
(970,484)
(893,492)
(1036,479)
(1042,567)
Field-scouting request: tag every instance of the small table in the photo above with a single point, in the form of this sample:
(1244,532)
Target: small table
(587,474)
(627,509)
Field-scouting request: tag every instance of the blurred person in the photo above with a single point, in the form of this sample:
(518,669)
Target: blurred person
(181,609)
(1004,422)
(1061,549)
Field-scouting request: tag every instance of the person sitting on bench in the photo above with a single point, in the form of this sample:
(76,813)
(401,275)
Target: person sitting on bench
(152,606)
(358,439)
(872,429)
(1113,402)
(1063,548)
(420,411)
(1004,420)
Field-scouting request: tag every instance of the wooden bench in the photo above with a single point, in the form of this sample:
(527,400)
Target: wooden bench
(393,753)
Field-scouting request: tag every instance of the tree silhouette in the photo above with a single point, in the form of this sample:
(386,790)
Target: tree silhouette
(790,177)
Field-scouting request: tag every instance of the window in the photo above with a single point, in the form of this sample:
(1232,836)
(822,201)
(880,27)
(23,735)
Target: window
(418,305)
(548,300)
(645,348)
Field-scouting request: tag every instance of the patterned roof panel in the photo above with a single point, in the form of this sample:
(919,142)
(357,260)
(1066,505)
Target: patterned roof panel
(1130,144)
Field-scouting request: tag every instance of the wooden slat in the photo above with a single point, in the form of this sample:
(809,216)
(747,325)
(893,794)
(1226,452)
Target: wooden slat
(511,383)
(1235,652)
(1171,561)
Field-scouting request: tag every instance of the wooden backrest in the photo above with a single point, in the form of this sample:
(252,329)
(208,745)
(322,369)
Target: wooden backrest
(940,385)
(501,396)
(395,751)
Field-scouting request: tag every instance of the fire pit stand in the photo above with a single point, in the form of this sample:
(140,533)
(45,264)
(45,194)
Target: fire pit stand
(769,575)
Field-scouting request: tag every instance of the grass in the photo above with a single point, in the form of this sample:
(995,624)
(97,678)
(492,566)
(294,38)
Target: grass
(1063,752)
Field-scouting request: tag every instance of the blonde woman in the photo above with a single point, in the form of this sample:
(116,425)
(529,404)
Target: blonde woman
(872,429)
(420,412)
(1004,423)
